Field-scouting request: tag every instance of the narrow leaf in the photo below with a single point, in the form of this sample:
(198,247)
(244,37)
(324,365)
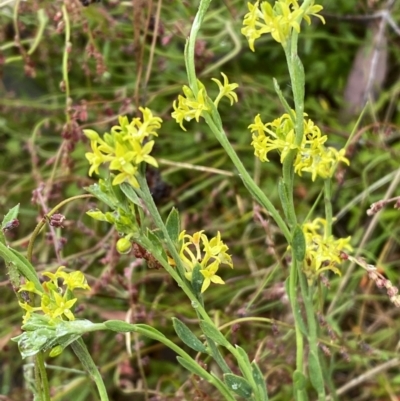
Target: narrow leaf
(192,367)
(130,194)
(97,191)
(299,381)
(173,225)
(22,264)
(297,311)
(186,335)
(156,242)
(299,80)
(285,104)
(119,326)
(245,358)
(283,196)
(315,372)
(197,281)
(299,244)
(238,385)
(211,331)
(260,382)
(217,356)
(10,216)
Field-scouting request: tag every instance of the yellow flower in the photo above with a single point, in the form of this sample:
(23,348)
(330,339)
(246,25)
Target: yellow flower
(142,153)
(29,286)
(61,306)
(197,249)
(278,20)
(125,148)
(322,252)
(312,156)
(281,137)
(215,249)
(55,302)
(210,276)
(225,89)
(190,106)
(29,310)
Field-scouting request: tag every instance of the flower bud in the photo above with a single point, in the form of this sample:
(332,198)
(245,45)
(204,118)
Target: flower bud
(124,246)
(91,134)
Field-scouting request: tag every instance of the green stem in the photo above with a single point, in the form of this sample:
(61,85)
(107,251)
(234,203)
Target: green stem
(170,344)
(248,181)
(328,207)
(39,363)
(307,295)
(47,216)
(191,45)
(38,381)
(83,354)
(297,318)
(148,199)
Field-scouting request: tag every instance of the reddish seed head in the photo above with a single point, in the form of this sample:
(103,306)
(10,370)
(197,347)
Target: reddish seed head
(56,220)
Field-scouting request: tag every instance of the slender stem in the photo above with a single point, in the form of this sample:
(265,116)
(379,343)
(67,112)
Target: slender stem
(328,207)
(155,335)
(38,381)
(191,45)
(39,362)
(42,222)
(297,316)
(307,294)
(148,199)
(248,181)
(83,354)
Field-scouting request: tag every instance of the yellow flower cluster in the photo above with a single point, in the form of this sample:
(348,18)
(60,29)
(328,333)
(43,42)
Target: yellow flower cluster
(125,148)
(312,156)
(278,20)
(55,302)
(197,249)
(322,252)
(191,107)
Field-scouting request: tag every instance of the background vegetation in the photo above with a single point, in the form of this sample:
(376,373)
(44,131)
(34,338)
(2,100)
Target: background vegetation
(124,54)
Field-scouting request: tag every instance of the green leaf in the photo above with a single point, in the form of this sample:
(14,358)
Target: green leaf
(299,80)
(315,372)
(299,381)
(245,358)
(156,242)
(10,216)
(22,264)
(7,220)
(260,382)
(99,192)
(217,356)
(197,281)
(299,244)
(192,367)
(186,335)
(238,385)
(283,196)
(297,311)
(211,331)
(119,326)
(149,331)
(285,104)
(130,193)
(173,225)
